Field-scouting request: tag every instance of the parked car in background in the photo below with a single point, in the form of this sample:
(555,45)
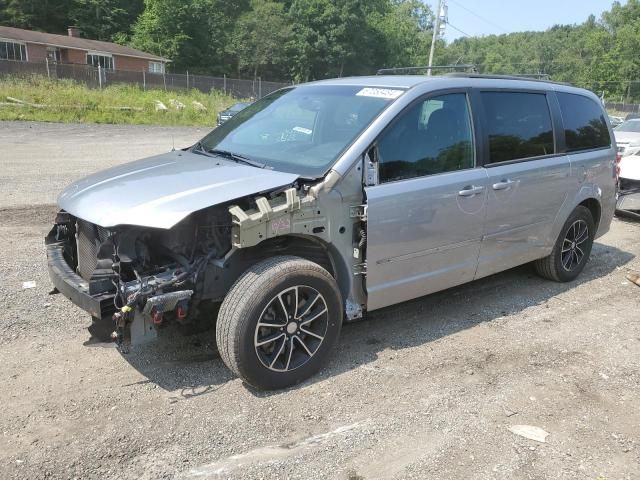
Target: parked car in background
(615,121)
(628,142)
(326,200)
(231,111)
(632,116)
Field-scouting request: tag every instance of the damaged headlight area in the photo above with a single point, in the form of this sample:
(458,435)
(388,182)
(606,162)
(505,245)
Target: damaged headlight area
(145,275)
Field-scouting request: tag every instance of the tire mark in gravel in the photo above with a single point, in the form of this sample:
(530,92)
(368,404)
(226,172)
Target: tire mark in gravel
(28,215)
(271,454)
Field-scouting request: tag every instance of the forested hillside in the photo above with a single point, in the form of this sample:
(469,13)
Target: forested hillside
(309,39)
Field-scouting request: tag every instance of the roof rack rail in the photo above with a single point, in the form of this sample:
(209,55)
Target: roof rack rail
(536,76)
(470,68)
(533,77)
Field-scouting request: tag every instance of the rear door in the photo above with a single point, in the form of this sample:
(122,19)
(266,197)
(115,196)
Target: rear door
(425,216)
(528,181)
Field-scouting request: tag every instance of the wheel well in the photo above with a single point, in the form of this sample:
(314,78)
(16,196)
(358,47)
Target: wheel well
(594,207)
(218,279)
(314,250)
(309,249)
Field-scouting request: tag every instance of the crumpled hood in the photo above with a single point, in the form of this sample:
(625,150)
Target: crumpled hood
(160,191)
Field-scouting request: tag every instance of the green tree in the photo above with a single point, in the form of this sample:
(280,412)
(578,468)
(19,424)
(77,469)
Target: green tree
(194,34)
(331,38)
(107,20)
(405,31)
(175,29)
(260,37)
(44,15)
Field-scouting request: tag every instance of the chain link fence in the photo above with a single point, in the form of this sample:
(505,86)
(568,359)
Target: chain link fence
(623,107)
(99,78)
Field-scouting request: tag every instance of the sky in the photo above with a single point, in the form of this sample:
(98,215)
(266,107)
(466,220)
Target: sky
(505,16)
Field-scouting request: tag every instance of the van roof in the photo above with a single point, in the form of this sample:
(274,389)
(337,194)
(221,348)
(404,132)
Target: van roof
(453,80)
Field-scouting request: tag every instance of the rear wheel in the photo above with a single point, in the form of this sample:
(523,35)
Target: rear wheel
(572,248)
(279,322)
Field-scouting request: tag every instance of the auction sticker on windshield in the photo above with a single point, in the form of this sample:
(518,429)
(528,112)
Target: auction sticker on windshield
(389,93)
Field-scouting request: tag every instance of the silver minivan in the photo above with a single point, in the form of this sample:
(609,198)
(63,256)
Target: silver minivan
(327,200)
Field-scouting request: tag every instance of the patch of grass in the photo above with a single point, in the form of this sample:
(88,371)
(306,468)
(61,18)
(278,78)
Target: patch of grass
(71,102)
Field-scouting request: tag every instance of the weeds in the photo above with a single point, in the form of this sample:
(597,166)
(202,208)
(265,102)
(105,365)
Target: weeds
(70,102)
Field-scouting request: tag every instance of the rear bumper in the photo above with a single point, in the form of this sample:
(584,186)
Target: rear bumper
(74,287)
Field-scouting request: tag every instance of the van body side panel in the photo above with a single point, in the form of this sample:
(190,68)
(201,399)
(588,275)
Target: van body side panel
(520,218)
(594,174)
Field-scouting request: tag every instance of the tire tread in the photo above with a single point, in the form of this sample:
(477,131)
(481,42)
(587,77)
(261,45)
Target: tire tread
(546,267)
(245,292)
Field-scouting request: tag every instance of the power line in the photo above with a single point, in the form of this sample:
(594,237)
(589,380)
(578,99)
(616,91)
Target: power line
(556,61)
(479,16)
(458,30)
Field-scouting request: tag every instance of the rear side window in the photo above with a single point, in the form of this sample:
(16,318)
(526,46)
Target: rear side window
(584,125)
(518,124)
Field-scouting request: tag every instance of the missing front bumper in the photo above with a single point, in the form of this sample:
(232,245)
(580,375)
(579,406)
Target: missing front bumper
(74,287)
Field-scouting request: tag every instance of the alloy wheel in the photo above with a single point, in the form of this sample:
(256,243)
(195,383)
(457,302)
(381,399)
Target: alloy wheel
(573,250)
(291,328)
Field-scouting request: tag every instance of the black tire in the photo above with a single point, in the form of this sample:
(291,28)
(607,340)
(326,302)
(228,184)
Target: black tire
(263,294)
(554,266)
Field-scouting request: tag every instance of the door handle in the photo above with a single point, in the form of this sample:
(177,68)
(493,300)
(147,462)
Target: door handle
(503,185)
(470,191)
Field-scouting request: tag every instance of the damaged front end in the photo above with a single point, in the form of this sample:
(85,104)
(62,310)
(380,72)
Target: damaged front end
(141,277)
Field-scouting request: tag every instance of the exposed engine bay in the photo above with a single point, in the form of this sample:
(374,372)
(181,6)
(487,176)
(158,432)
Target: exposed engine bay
(158,272)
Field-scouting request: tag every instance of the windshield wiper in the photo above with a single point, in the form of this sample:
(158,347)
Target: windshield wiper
(199,148)
(236,157)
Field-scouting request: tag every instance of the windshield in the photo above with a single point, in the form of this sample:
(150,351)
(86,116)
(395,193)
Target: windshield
(629,126)
(301,130)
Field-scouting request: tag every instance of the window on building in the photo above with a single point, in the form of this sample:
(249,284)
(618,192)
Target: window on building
(13,51)
(156,67)
(100,59)
(433,136)
(519,125)
(584,123)
(54,55)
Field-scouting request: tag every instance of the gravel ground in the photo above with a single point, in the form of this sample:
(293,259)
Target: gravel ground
(40,159)
(426,389)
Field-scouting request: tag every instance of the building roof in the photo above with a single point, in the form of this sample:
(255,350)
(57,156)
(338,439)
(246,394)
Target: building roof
(65,41)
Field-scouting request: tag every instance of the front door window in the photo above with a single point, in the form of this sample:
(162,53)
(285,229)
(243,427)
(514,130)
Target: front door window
(433,136)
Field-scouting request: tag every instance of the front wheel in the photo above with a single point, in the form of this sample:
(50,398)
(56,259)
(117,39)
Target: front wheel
(572,248)
(279,321)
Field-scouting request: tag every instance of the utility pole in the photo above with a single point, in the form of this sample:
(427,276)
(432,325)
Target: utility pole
(441,16)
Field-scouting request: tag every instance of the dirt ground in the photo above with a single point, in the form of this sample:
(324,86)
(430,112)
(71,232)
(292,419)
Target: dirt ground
(426,389)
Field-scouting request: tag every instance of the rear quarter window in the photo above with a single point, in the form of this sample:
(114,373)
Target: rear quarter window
(584,125)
